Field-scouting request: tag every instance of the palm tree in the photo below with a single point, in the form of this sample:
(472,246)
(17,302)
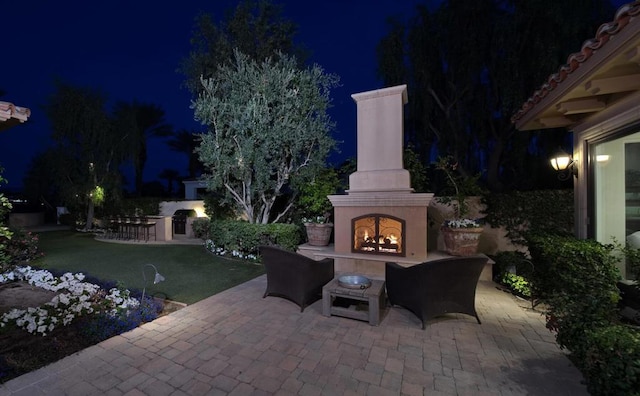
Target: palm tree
(186,142)
(170,175)
(137,122)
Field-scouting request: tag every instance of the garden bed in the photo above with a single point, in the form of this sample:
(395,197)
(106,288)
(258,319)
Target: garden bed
(44,318)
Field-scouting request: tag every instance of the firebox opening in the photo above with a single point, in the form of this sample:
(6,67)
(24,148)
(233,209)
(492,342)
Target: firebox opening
(378,234)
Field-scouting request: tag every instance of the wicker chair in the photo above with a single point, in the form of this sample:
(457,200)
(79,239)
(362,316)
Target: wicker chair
(294,276)
(436,287)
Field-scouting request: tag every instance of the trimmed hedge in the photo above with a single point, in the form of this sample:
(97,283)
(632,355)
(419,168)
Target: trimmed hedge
(247,237)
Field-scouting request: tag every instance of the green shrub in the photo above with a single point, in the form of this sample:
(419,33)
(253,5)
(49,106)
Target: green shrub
(216,208)
(201,226)
(610,360)
(578,282)
(22,248)
(506,260)
(567,265)
(540,212)
(632,260)
(244,237)
(577,279)
(287,236)
(312,198)
(519,280)
(518,283)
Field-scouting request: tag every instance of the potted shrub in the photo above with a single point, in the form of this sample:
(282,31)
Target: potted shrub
(461,234)
(317,207)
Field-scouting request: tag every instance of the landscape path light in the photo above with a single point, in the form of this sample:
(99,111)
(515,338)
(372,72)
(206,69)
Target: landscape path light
(157,278)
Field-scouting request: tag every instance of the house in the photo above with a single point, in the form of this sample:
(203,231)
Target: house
(596,95)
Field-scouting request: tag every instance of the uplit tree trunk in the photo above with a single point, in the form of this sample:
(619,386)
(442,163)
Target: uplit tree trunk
(90,214)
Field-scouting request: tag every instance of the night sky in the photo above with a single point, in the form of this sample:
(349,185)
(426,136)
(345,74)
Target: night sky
(131,50)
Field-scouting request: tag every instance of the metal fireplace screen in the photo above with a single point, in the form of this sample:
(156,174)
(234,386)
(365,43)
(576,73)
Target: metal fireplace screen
(378,234)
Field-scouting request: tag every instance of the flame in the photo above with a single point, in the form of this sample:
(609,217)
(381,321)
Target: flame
(369,242)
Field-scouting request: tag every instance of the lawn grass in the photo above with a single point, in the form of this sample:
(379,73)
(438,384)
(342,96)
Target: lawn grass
(191,272)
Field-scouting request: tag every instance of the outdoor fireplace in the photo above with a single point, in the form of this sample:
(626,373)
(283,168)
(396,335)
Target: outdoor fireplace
(378,234)
(379,218)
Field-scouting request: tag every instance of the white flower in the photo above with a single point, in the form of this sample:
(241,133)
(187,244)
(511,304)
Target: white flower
(314,220)
(75,298)
(462,223)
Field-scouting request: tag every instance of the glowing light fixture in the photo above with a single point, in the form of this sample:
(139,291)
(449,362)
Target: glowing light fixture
(564,164)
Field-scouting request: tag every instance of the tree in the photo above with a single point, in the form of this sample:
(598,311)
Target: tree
(40,180)
(137,122)
(87,147)
(255,27)
(467,79)
(268,130)
(170,175)
(186,142)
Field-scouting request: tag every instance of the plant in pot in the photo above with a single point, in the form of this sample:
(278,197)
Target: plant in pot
(461,233)
(317,207)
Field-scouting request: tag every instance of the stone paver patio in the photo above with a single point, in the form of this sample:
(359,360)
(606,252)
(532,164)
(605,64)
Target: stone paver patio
(237,343)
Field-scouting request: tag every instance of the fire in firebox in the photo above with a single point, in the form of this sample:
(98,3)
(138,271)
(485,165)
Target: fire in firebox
(378,234)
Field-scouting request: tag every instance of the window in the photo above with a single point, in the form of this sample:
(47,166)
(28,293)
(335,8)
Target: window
(616,189)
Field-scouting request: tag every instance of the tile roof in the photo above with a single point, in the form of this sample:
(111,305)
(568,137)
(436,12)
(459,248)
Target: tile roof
(11,114)
(624,16)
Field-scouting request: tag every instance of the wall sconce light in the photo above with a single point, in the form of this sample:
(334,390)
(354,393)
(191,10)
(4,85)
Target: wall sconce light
(156,279)
(565,165)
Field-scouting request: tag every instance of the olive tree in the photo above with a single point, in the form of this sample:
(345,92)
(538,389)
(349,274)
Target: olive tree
(268,130)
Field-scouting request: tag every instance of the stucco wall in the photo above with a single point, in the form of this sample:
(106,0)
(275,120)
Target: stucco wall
(168,208)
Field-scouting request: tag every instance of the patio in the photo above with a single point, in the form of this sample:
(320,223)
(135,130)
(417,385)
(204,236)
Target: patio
(236,342)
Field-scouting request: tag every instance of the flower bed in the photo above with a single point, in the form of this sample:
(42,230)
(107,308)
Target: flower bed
(220,251)
(74,298)
(79,314)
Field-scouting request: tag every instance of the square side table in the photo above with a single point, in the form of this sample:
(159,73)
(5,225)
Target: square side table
(374,296)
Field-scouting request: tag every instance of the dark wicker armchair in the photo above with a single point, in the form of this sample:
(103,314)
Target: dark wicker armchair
(294,276)
(436,287)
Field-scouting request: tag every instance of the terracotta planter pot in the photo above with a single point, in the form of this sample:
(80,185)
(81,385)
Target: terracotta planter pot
(319,234)
(461,241)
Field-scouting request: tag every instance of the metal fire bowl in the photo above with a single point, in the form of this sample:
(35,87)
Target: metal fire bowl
(354,281)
